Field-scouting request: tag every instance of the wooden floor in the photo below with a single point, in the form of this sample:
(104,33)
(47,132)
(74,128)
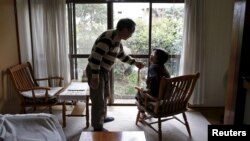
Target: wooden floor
(125,121)
(113,136)
(213,114)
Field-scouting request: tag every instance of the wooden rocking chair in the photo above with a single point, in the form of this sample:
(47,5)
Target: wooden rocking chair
(31,94)
(174,94)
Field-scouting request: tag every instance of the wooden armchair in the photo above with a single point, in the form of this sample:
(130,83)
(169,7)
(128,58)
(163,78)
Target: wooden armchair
(174,94)
(31,94)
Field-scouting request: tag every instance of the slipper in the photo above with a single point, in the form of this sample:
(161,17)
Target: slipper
(142,116)
(108,119)
(100,129)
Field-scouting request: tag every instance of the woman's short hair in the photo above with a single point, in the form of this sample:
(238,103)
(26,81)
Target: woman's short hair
(162,55)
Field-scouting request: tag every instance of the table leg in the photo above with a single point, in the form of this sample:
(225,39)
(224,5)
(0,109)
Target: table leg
(64,114)
(87,111)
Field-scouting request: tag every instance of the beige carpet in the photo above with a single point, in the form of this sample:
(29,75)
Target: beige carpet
(125,121)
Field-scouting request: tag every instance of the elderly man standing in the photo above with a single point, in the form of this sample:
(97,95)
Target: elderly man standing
(106,49)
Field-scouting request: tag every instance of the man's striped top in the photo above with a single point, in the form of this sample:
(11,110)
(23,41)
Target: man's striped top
(104,53)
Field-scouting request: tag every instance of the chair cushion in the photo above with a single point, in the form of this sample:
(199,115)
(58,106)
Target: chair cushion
(51,100)
(41,93)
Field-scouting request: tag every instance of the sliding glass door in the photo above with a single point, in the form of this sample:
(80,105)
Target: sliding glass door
(125,76)
(88,21)
(158,25)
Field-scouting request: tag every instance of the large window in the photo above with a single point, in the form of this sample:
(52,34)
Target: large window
(87,22)
(157,25)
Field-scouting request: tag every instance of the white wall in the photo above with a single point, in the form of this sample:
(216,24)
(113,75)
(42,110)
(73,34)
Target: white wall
(8,49)
(218,28)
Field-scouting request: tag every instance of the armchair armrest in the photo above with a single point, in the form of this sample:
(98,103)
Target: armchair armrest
(35,88)
(49,78)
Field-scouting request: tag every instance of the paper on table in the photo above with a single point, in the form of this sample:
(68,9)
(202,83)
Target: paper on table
(78,86)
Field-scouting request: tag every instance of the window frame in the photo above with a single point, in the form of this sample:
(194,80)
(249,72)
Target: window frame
(73,55)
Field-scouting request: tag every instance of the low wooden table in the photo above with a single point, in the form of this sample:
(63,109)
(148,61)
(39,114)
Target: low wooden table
(113,136)
(76,91)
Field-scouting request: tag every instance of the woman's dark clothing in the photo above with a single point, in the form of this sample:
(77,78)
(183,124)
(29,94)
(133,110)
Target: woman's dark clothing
(155,72)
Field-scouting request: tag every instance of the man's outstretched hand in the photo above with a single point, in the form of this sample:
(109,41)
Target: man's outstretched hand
(139,64)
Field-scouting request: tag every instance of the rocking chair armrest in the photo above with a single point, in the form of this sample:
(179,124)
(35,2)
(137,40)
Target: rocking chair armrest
(49,78)
(40,88)
(57,79)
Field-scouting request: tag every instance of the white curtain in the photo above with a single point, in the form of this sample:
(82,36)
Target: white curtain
(48,39)
(23,20)
(193,58)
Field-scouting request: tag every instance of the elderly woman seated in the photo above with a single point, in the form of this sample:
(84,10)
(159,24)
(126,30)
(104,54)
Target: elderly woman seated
(156,70)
